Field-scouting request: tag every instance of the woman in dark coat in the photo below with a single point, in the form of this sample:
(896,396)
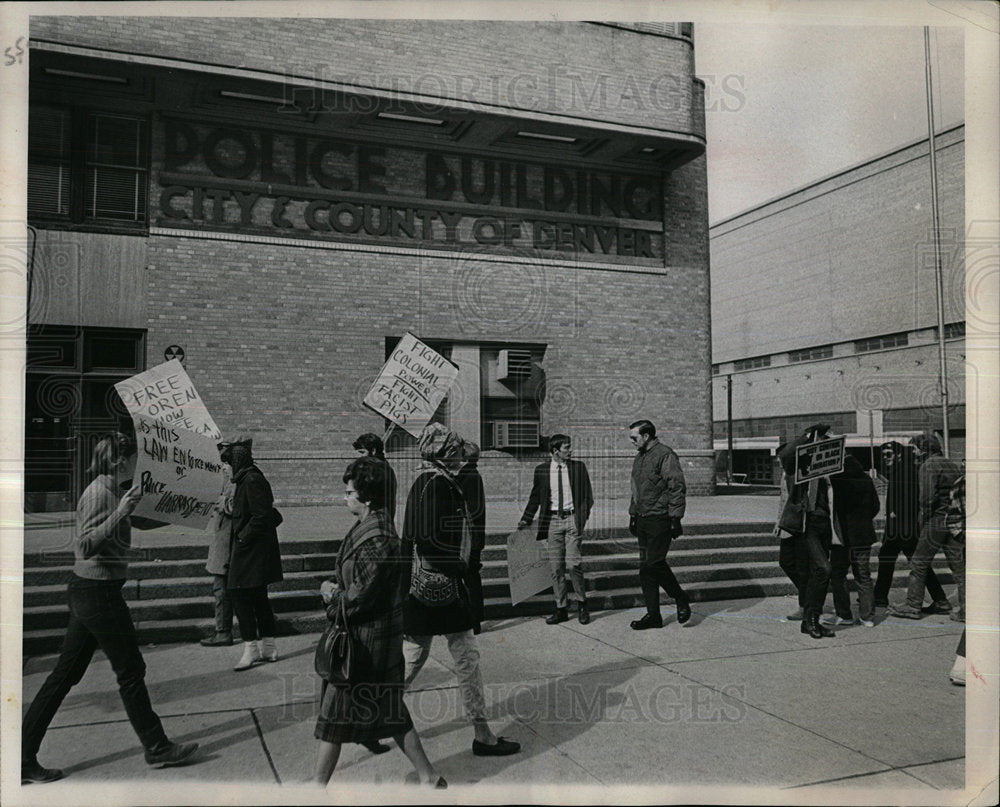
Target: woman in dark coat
(367,587)
(902,506)
(437,534)
(855,505)
(254,559)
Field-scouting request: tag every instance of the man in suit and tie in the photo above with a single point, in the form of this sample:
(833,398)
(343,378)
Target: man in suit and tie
(562,490)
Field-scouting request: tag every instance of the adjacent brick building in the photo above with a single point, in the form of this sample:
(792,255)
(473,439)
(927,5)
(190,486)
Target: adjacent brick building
(283,199)
(825,309)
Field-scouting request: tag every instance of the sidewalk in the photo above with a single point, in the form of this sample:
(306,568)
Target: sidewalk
(53,531)
(737,698)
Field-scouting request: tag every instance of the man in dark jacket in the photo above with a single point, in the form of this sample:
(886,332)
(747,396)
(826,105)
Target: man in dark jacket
(807,511)
(902,508)
(561,488)
(855,505)
(937,476)
(655,513)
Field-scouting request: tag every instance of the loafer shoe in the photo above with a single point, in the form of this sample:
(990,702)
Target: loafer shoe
(647,622)
(937,607)
(583,615)
(171,754)
(377,747)
(33,773)
(796,616)
(560,615)
(501,748)
(683,612)
(905,612)
(218,640)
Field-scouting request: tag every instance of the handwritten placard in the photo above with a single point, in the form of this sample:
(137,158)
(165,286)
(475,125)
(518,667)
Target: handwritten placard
(179,469)
(411,385)
(527,567)
(165,394)
(813,460)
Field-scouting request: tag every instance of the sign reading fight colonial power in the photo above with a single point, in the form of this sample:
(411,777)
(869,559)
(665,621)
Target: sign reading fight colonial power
(412,384)
(527,566)
(814,460)
(179,467)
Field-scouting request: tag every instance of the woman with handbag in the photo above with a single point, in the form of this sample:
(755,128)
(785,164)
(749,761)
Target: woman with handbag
(436,546)
(255,559)
(360,654)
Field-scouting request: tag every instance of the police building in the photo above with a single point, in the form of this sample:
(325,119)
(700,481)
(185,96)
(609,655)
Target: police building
(276,202)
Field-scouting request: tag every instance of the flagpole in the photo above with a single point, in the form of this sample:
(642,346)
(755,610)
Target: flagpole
(938,278)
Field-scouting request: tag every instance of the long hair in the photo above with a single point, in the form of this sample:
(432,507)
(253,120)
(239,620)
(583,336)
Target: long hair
(109,451)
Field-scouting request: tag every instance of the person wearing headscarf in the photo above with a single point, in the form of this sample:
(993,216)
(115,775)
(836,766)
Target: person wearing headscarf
(938,475)
(437,537)
(255,559)
(902,507)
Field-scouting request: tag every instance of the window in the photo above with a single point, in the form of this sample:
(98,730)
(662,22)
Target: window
(811,353)
(512,384)
(750,364)
(881,342)
(87,166)
(954,330)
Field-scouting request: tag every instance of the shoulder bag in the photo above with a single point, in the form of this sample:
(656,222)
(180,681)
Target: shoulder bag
(430,587)
(336,654)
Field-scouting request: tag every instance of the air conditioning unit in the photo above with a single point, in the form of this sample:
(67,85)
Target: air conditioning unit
(515,434)
(514,365)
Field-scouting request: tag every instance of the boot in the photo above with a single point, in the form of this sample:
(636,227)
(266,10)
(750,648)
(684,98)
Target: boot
(251,655)
(811,626)
(268,651)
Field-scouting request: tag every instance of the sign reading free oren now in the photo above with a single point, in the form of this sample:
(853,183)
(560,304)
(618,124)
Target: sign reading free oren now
(412,384)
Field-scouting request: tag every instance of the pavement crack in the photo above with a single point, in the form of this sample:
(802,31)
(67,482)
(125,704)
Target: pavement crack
(263,743)
(904,769)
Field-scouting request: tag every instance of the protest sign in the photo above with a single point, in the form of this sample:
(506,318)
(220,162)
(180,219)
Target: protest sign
(813,460)
(179,469)
(527,566)
(164,394)
(411,385)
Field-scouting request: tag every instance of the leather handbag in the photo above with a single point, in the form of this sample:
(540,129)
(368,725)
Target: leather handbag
(336,654)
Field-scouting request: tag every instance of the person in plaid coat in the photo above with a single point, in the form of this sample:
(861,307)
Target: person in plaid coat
(367,585)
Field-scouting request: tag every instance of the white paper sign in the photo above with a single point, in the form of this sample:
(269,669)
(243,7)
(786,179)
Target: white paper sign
(165,394)
(527,567)
(179,468)
(412,385)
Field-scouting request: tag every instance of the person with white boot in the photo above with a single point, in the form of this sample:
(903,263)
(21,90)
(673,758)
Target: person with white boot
(255,559)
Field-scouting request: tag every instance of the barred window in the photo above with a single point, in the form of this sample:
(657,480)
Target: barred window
(87,166)
(811,353)
(750,364)
(881,342)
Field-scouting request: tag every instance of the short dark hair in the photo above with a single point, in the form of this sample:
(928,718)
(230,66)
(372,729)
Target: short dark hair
(369,478)
(557,441)
(371,443)
(109,451)
(644,427)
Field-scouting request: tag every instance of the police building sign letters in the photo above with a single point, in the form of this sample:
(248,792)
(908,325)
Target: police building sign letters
(271,182)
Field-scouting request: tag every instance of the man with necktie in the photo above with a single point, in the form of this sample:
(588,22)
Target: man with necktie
(562,490)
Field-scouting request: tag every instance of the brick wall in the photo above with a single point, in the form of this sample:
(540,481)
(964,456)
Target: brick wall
(579,70)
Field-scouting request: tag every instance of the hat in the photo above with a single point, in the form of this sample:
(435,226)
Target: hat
(437,443)
(242,440)
(237,453)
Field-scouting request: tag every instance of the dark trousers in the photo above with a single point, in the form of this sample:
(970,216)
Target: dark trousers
(253,610)
(887,566)
(100,618)
(223,605)
(858,560)
(654,535)
(794,562)
(816,540)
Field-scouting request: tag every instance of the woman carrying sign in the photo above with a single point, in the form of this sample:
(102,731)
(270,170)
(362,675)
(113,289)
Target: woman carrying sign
(99,616)
(437,537)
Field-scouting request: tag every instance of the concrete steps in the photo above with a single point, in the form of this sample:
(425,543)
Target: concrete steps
(170,594)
